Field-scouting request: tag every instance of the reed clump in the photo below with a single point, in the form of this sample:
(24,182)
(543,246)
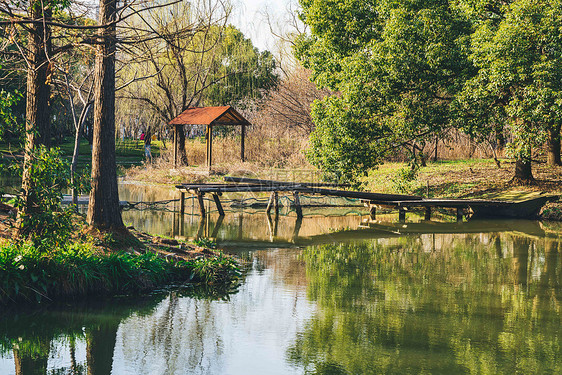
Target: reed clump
(28,274)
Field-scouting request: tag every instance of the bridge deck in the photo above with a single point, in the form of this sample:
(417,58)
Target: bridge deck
(484,207)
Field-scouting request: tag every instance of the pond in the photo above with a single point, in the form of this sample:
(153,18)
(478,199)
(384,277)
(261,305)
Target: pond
(334,293)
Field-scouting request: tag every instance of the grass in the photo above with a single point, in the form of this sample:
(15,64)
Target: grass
(128,152)
(473,178)
(464,178)
(79,268)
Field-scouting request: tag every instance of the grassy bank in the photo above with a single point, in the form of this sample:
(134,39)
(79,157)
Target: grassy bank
(128,152)
(82,268)
(471,178)
(468,178)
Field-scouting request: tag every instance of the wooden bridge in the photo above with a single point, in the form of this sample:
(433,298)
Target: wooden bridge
(404,203)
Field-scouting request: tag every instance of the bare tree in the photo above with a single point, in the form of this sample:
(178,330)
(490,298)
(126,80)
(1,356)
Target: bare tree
(288,107)
(180,60)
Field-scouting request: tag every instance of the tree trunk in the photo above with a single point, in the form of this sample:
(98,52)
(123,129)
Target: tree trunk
(43,35)
(500,140)
(32,361)
(30,365)
(180,137)
(104,211)
(100,344)
(553,149)
(523,172)
(520,259)
(37,123)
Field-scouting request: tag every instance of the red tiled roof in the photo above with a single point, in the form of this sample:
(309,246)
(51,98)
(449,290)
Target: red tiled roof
(226,115)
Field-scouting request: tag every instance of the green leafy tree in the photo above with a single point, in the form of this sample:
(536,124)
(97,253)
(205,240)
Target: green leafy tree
(46,223)
(243,72)
(518,53)
(396,68)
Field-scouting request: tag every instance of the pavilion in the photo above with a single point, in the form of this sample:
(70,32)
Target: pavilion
(209,116)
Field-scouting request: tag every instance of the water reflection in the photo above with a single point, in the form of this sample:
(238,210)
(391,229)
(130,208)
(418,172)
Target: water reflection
(412,303)
(394,306)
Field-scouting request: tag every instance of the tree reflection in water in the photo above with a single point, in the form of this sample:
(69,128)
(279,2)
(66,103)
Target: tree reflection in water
(396,306)
(433,303)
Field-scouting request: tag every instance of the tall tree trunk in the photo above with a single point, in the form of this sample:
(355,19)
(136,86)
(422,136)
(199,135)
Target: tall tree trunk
(34,361)
(104,211)
(553,146)
(37,123)
(30,365)
(43,108)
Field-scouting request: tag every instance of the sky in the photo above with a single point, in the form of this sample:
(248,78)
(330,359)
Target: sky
(248,17)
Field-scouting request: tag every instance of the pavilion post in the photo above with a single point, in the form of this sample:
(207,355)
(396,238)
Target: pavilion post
(210,146)
(243,135)
(209,139)
(207,145)
(176,146)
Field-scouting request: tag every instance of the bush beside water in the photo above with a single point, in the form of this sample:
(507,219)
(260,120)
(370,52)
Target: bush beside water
(77,269)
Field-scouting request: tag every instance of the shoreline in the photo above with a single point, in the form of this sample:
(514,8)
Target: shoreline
(92,265)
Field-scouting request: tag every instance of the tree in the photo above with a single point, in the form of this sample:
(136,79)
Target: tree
(288,105)
(37,125)
(396,68)
(518,54)
(39,53)
(103,209)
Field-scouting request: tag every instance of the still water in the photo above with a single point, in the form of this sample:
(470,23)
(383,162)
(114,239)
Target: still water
(334,293)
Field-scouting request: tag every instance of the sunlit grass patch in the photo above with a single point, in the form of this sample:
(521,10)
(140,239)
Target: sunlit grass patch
(77,269)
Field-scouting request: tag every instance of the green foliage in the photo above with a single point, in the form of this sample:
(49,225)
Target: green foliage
(205,242)
(28,273)
(395,306)
(46,222)
(405,178)
(247,72)
(7,117)
(396,67)
(519,81)
(218,269)
(406,70)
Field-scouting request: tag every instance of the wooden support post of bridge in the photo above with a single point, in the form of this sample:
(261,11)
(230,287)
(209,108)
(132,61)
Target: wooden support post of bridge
(297,229)
(270,202)
(427,215)
(182,203)
(373,211)
(401,214)
(218,204)
(201,227)
(201,204)
(217,227)
(460,213)
(298,207)
(273,203)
